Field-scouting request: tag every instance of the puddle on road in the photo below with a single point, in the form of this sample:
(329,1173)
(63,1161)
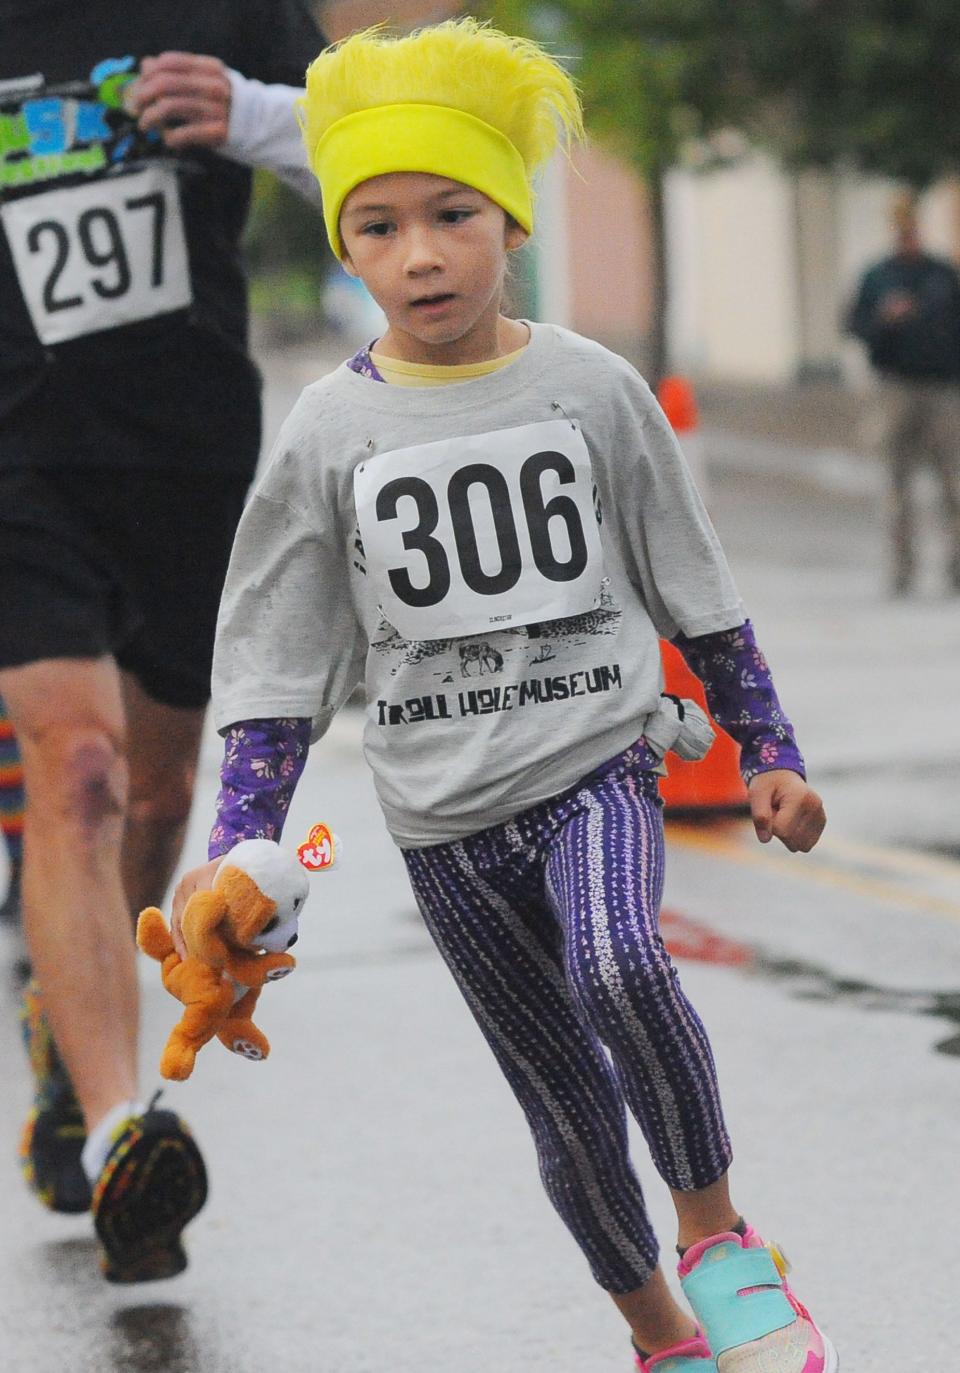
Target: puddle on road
(944,851)
(153,1337)
(686,938)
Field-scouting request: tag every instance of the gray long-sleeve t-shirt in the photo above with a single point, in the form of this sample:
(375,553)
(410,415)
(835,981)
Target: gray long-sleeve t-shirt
(494,559)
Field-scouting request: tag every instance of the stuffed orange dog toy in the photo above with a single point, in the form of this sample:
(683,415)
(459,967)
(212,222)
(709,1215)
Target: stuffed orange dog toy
(237,936)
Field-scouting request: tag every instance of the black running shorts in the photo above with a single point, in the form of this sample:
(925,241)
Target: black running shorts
(122,561)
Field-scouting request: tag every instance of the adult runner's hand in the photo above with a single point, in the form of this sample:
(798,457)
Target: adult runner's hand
(184,96)
(197,879)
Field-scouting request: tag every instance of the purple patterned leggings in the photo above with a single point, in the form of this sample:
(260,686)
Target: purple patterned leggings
(549,924)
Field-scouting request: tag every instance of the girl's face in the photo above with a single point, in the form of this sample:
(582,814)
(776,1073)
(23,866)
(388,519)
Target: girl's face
(432,253)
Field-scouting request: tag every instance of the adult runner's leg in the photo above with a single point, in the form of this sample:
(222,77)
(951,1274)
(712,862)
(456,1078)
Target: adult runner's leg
(145,1172)
(68,715)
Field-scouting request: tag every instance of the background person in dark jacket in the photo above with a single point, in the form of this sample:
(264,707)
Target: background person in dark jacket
(907,312)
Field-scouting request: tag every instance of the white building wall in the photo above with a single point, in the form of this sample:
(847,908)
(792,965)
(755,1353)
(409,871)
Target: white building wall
(552,239)
(733,272)
(683,210)
(819,314)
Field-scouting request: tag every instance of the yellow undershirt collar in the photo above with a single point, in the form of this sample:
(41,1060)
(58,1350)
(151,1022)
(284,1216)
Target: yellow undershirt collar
(399,373)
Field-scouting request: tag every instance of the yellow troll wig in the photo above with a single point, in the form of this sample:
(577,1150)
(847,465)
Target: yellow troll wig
(459,100)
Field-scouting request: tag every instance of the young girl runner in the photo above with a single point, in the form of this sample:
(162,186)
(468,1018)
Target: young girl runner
(489,523)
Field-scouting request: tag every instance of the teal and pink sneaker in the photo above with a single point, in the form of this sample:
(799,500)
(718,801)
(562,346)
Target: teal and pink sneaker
(752,1322)
(692,1356)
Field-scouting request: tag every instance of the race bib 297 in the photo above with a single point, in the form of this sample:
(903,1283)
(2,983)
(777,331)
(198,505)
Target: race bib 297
(99,255)
(483,532)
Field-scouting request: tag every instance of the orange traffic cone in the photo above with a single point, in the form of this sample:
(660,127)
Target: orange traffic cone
(714,783)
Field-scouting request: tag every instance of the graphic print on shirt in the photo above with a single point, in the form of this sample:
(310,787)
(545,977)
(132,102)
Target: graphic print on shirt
(95,232)
(49,132)
(478,658)
(482,532)
(529,665)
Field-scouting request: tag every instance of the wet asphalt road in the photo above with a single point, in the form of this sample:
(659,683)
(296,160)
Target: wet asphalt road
(374,1196)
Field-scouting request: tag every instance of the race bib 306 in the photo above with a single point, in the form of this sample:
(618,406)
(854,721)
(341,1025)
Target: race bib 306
(482,532)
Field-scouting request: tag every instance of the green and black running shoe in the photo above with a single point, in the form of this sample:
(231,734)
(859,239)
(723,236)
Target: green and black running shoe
(152,1185)
(54,1134)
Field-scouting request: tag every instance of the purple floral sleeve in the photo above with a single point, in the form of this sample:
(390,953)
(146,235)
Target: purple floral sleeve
(262,763)
(743,699)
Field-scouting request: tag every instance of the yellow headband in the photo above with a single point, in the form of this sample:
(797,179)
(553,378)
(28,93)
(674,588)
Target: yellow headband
(438,139)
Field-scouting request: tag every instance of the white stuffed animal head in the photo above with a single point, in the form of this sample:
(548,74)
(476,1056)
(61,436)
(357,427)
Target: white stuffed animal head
(281,887)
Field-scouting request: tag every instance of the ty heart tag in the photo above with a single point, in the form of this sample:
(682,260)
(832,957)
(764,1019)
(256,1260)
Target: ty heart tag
(320,850)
